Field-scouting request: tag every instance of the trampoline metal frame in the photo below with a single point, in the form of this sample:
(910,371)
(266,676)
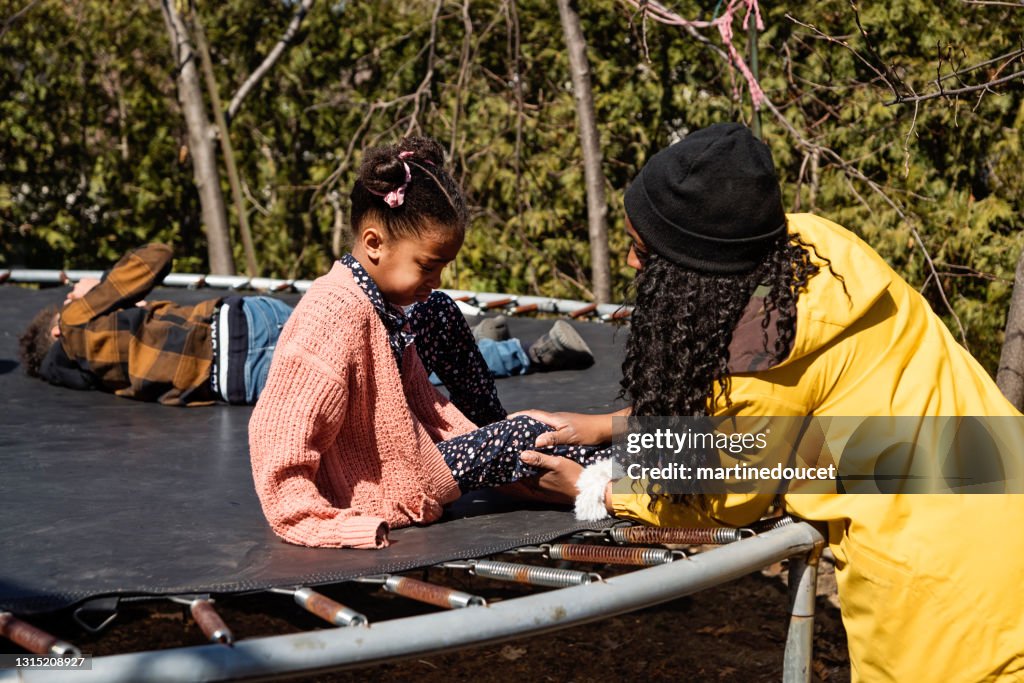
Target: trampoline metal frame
(348,647)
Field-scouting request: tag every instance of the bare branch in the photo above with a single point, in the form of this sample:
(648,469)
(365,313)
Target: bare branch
(1008,58)
(968,272)
(269,61)
(10,21)
(467,42)
(343,165)
(904,94)
(906,141)
(838,41)
(428,77)
(981,87)
(1018,5)
(252,200)
(852,172)
(515,61)
(896,80)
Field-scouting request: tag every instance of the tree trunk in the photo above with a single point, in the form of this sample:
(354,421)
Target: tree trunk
(597,207)
(1010,376)
(252,268)
(201,147)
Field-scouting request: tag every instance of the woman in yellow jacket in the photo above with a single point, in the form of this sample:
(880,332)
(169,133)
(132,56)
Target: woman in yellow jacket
(744,310)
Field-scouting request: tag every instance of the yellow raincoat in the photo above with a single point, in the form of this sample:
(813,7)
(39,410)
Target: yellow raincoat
(931,585)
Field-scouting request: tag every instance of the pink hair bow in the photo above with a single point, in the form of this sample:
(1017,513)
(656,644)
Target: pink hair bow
(396,197)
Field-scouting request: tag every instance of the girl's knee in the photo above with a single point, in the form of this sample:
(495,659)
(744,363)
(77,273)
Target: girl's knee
(437,305)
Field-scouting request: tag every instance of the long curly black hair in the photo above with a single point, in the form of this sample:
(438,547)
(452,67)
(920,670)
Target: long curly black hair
(677,355)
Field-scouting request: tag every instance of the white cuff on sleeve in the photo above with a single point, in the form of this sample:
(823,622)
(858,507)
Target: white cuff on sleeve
(591,486)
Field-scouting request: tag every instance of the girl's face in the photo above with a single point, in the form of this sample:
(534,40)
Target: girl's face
(408,270)
(637,255)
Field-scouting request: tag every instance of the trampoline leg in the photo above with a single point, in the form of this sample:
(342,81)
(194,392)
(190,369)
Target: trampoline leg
(803,582)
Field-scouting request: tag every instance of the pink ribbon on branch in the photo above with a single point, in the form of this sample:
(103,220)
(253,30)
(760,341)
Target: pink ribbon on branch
(663,15)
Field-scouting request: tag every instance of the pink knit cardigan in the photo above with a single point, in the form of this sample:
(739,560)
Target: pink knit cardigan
(342,445)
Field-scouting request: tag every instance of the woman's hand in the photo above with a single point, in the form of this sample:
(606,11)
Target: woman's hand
(574,429)
(560,474)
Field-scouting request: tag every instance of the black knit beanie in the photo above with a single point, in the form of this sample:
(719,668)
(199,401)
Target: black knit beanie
(711,202)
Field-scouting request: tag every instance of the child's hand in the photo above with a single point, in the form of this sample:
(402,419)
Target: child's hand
(81,288)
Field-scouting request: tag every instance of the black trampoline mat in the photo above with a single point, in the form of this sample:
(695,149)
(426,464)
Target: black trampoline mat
(107,496)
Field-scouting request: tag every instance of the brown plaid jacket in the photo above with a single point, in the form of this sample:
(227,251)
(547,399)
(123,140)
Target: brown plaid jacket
(160,352)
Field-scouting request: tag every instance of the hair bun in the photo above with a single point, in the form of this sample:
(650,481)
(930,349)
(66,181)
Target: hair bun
(383,168)
(382,171)
(423,150)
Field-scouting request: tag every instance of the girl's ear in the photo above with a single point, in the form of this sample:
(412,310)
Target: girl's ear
(372,241)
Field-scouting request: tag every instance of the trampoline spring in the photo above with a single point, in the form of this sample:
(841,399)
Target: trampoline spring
(210,622)
(35,640)
(499,303)
(431,594)
(606,554)
(585,310)
(327,609)
(532,575)
(657,535)
(763,525)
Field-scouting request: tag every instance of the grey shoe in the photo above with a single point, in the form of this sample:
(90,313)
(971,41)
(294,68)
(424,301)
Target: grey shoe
(562,348)
(495,328)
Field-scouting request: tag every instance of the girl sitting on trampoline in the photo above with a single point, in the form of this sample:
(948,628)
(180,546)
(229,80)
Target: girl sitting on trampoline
(349,437)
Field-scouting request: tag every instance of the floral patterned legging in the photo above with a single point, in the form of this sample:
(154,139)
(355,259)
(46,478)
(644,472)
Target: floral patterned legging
(489,456)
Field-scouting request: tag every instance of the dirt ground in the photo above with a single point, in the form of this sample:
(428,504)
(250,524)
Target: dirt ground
(734,632)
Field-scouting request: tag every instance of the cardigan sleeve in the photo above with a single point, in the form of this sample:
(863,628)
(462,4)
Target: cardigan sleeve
(298,415)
